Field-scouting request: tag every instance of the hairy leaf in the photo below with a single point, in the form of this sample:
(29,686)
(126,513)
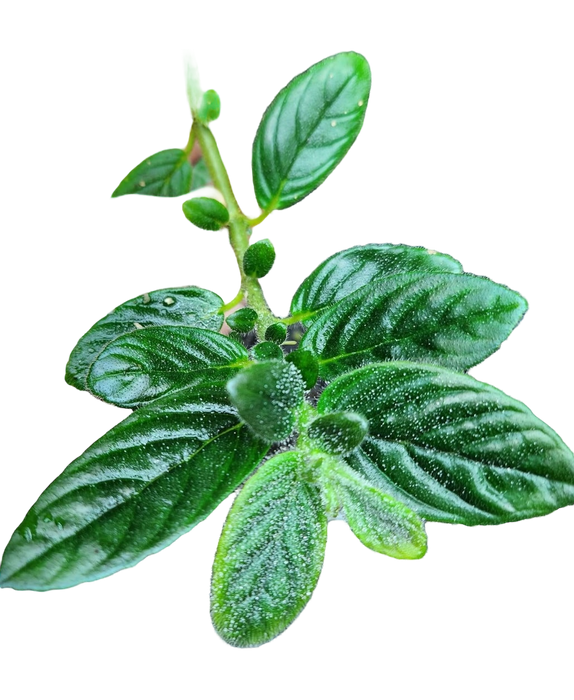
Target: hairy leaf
(345,272)
(270,554)
(143,484)
(455,320)
(267,396)
(142,366)
(379,521)
(165,174)
(259,258)
(183,306)
(308,128)
(451,448)
(340,432)
(206,213)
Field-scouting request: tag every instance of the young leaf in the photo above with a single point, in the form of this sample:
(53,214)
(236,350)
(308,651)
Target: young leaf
(345,272)
(276,333)
(451,448)
(269,556)
(210,107)
(267,396)
(206,213)
(308,128)
(340,432)
(143,484)
(259,258)
(454,320)
(165,174)
(142,366)
(267,351)
(242,320)
(184,306)
(380,522)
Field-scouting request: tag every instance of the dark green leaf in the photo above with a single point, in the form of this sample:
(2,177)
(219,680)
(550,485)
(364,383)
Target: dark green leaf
(269,556)
(183,306)
(201,177)
(379,521)
(349,270)
(242,320)
(307,364)
(276,333)
(259,258)
(267,351)
(146,482)
(448,319)
(165,174)
(339,433)
(142,366)
(206,213)
(451,448)
(267,396)
(308,128)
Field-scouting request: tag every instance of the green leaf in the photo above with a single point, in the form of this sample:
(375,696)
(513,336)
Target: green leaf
(210,107)
(201,177)
(267,351)
(242,320)
(380,522)
(451,448)
(276,333)
(206,213)
(269,556)
(307,364)
(267,396)
(183,306)
(339,433)
(447,319)
(165,174)
(259,258)
(142,366)
(308,128)
(345,272)
(143,484)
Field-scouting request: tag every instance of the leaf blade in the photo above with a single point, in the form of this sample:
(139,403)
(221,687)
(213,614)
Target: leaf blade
(184,306)
(269,556)
(308,128)
(164,174)
(148,363)
(451,448)
(133,492)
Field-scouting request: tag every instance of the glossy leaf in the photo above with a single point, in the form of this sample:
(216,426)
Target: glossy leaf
(267,351)
(200,177)
(142,366)
(380,522)
(267,396)
(307,364)
(451,448)
(340,432)
(165,174)
(206,213)
(269,556)
(242,320)
(143,484)
(276,333)
(183,306)
(447,319)
(308,128)
(345,272)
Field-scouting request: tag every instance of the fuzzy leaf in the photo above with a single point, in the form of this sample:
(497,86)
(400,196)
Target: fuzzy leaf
(206,213)
(165,174)
(339,433)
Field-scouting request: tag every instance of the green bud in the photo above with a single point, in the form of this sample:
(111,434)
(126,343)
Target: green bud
(243,320)
(307,364)
(267,351)
(210,107)
(206,213)
(259,258)
(276,333)
(339,433)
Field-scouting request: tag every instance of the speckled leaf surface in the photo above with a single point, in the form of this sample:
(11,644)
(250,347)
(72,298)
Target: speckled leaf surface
(144,365)
(143,484)
(345,272)
(451,448)
(308,128)
(454,320)
(270,554)
(379,521)
(182,306)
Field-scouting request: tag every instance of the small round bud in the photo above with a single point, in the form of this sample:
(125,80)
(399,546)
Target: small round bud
(210,107)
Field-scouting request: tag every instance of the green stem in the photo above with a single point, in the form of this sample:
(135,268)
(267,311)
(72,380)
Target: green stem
(233,303)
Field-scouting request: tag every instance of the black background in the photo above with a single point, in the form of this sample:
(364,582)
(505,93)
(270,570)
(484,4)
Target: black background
(439,163)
